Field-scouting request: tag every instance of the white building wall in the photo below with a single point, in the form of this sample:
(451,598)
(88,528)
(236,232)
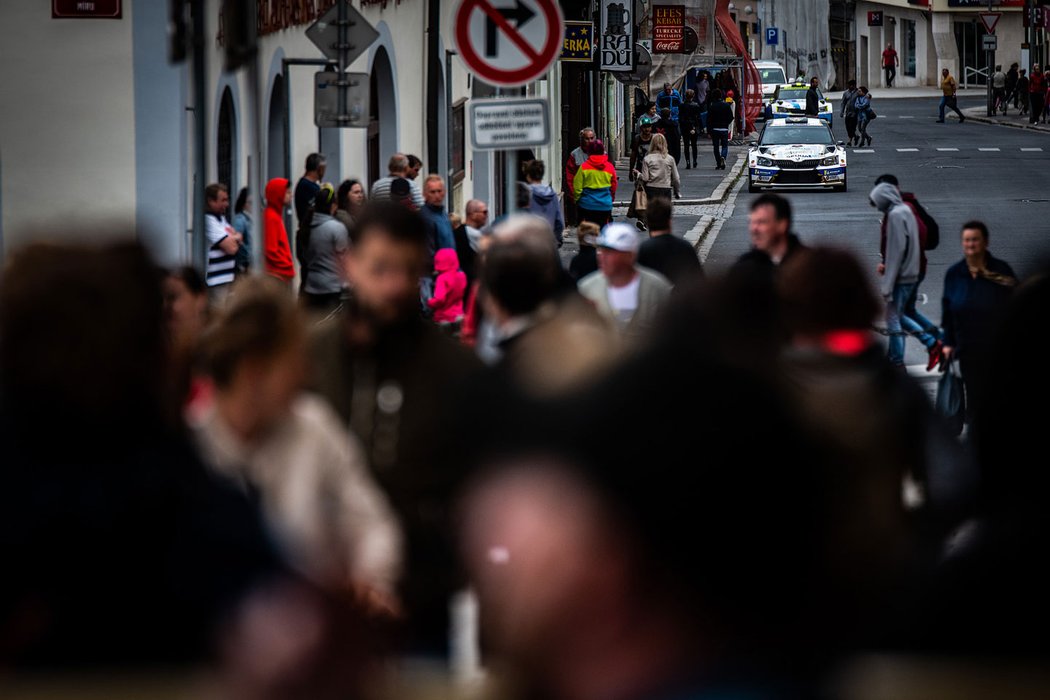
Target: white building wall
(66,152)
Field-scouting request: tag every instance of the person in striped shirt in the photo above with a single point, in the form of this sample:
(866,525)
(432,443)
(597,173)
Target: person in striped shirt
(398,168)
(223,242)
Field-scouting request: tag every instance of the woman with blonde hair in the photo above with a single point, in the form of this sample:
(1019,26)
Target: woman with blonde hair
(659,173)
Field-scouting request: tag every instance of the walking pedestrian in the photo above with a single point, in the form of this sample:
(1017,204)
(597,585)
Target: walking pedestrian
(351,201)
(223,242)
(242,224)
(813,98)
(665,252)
(949,88)
(890,61)
(703,98)
(669,128)
(998,90)
(308,184)
(575,160)
(594,186)
(1022,91)
(977,289)
(1036,94)
(669,99)
(848,111)
(586,260)
(278,254)
(865,114)
(290,450)
(322,242)
(543,200)
(393,378)
(719,119)
(913,322)
(652,114)
(689,122)
(468,237)
(624,292)
(382,189)
(901,273)
(659,172)
(1011,86)
(640,146)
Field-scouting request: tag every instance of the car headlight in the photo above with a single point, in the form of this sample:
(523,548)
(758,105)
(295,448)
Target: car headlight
(765,161)
(830,160)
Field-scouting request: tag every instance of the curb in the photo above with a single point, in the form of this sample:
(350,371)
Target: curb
(717,196)
(982,119)
(710,222)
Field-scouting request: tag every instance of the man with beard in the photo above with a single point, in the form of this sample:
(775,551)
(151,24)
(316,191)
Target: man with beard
(394,377)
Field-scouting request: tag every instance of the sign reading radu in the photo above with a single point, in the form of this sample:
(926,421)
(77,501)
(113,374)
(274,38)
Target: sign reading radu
(668,28)
(617,37)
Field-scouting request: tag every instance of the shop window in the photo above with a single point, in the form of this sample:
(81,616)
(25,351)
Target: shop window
(908,35)
(459,141)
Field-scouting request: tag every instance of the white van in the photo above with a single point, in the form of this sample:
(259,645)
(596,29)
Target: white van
(771,74)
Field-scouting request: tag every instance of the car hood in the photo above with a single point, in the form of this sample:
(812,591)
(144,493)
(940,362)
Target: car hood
(790,152)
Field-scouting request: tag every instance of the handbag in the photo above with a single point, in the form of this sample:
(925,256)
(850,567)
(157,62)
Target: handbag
(871,115)
(641,200)
(951,398)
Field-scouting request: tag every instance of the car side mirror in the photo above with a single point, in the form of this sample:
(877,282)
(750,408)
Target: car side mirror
(754,144)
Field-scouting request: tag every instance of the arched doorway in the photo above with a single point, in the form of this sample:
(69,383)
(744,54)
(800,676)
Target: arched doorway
(277,135)
(382,116)
(225,140)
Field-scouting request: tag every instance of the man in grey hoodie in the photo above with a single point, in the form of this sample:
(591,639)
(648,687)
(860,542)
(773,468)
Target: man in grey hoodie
(543,200)
(901,273)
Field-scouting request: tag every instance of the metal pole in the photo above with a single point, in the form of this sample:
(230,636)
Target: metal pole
(449,146)
(200,243)
(255,166)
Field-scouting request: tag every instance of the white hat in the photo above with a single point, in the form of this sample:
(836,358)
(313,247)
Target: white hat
(620,237)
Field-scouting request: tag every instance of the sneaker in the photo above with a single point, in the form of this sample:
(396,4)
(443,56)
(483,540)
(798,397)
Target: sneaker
(936,356)
(641,225)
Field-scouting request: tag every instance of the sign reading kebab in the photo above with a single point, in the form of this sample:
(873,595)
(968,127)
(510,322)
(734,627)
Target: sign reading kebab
(508,44)
(668,28)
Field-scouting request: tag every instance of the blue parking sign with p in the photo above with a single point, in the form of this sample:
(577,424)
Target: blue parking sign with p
(772,36)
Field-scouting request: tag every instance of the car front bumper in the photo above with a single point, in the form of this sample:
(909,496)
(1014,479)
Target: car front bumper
(823,176)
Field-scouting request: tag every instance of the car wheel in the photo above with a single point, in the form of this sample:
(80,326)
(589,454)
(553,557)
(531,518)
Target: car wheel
(845,184)
(751,185)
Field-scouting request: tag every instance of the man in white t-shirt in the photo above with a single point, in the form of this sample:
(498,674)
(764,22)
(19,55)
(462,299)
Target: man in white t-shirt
(223,241)
(630,295)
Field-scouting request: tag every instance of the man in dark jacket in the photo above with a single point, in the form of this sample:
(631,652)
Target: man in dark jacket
(665,252)
(719,119)
(669,128)
(394,379)
(689,121)
(813,98)
(1011,86)
(309,184)
(770,228)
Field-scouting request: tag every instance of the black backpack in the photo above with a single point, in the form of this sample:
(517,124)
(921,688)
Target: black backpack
(933,231)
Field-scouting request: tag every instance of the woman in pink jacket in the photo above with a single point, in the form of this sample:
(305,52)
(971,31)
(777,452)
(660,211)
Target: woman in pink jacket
(449,289)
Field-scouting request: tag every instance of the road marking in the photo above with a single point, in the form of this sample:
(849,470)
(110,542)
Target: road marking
(947,149)
(902,116)
(1032,150)
(988,150)
(863,150)
(907,150)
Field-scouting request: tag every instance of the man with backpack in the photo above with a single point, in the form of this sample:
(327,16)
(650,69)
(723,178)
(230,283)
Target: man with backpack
(929,237)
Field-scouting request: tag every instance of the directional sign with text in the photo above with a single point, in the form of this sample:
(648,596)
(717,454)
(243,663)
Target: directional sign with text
(508,42)
(509,124)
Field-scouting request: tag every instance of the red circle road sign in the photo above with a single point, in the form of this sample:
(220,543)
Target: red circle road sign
(508,45)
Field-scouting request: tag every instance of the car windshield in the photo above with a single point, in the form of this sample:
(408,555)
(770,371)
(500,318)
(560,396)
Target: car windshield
(787,135)
(772,76)
(795,93)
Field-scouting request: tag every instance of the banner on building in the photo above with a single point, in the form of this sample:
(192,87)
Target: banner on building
(577,45)
(668,28)
(616,52)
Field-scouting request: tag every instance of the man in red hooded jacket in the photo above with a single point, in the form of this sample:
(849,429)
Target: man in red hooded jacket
(278,253)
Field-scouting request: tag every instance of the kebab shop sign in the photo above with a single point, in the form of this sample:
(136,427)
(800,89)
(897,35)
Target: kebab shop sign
(668,28)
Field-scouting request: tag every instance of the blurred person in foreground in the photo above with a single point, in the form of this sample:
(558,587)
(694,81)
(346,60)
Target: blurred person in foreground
(665,252)
(393,378)
(120,549)
(977,290)
(770,228)
(289,448)
(627,294)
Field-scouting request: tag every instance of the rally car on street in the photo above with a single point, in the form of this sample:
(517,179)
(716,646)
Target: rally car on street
(796,152)
(790,101)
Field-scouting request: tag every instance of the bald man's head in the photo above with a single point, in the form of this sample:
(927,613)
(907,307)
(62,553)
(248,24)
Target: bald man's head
(476,213)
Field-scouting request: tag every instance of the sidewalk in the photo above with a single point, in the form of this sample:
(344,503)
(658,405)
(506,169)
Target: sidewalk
(885,93)
(979,114)
(700,185)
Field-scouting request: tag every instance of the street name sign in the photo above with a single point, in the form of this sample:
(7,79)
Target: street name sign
(509,44)
(324,33)
(989,20)
(509,124)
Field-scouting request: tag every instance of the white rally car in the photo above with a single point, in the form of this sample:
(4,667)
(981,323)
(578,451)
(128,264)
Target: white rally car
(790,101)
(797,152)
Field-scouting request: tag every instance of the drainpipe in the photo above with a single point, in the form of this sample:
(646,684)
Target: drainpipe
(433,76)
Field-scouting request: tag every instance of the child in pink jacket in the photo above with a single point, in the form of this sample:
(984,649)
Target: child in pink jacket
(449,289)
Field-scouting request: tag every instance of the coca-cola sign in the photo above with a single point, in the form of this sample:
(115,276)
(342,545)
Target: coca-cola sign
(668,26)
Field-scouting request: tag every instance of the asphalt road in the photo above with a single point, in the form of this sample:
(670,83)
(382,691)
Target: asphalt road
(945,166)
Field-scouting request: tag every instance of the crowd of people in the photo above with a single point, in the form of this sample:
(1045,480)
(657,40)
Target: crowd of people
(658,482)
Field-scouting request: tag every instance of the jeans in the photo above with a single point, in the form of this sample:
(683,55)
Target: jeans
(891,73)
(703,122)
(720,143)
(950,103)
(895,309)
(914,322)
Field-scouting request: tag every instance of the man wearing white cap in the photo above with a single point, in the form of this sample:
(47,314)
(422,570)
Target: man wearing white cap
(622,290)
